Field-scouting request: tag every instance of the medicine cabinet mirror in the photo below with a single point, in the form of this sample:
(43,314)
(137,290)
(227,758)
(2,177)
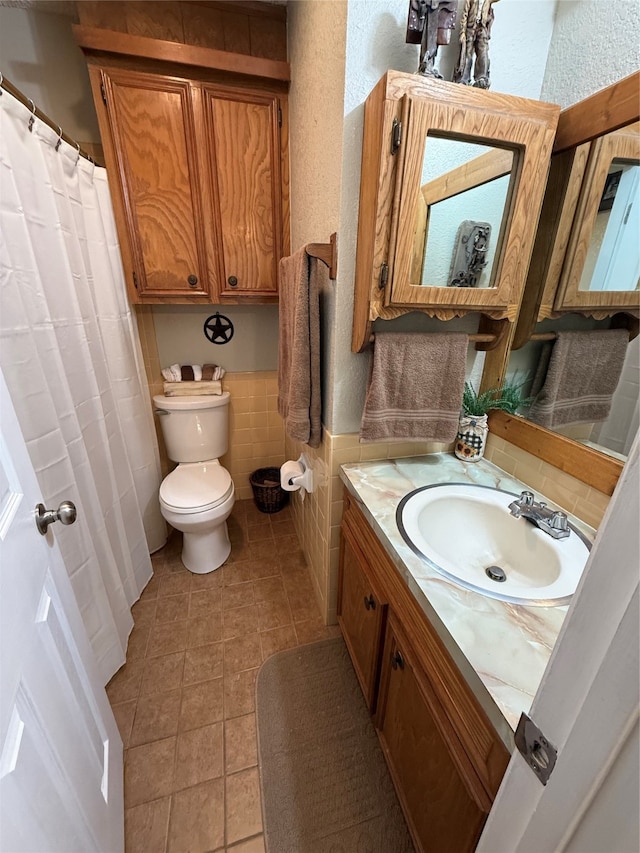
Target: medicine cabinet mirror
(460,213)
(451,187)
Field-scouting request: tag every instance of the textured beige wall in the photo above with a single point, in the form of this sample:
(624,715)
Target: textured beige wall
(40,56)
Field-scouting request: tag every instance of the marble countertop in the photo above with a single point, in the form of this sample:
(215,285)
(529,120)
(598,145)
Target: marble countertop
(502,649)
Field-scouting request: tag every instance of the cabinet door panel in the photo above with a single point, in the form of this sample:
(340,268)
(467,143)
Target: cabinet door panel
(154,139)
(443,813)
(244,130)
(360,614)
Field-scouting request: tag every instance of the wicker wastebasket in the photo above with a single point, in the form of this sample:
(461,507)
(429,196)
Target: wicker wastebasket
(267,491)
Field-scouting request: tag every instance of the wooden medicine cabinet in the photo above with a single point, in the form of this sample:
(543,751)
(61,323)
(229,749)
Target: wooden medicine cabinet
(452,183)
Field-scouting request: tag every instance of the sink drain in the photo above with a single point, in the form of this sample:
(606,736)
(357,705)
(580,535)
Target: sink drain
(496,574)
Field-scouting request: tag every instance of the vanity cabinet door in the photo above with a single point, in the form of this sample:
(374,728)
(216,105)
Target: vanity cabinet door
(444,803)
(361,615)
(151,152)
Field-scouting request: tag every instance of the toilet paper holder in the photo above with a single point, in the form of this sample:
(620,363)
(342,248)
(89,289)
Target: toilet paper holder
(297,475)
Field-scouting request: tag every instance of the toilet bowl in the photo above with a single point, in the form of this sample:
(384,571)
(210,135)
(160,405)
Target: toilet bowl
(197,497)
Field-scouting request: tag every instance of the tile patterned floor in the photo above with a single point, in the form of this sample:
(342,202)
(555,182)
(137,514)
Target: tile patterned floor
(184,700)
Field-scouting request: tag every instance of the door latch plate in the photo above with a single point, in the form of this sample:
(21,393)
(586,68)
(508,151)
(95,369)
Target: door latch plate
(539,754)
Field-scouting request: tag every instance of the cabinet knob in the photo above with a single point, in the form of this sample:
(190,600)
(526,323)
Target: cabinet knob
(193,280)
(232,281)
(397,661)
(370,602)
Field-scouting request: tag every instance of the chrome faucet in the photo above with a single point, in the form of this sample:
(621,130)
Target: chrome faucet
(551,521)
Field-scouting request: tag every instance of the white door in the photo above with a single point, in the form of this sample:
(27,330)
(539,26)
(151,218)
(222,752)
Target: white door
(60,751)
(587,706)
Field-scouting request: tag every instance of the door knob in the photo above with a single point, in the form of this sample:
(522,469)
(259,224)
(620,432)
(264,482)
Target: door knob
(66,513)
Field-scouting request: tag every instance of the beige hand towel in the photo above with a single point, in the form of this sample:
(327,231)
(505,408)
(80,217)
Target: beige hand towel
(583,374)
(299,401)
(415,388)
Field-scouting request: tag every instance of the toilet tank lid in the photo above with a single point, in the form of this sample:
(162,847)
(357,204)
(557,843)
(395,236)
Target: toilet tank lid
(203,401)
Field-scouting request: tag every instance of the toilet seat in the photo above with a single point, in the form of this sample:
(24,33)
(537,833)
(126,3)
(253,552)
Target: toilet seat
(196,487)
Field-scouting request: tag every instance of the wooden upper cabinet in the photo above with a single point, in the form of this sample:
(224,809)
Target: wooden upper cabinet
(153,133)
(244,162)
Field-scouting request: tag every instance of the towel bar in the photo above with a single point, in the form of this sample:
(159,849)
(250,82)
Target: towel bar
(327,253)
(473,339)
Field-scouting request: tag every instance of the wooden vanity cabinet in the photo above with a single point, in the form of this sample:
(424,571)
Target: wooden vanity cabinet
(197,182)
(445,757)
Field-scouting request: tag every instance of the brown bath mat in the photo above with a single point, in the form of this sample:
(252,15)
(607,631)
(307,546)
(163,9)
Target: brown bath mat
(324,781)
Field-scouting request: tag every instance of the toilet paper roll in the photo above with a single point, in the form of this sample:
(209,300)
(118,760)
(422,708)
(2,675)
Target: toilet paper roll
(288,471)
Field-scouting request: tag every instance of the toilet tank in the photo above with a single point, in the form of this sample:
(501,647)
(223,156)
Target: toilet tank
(195,428)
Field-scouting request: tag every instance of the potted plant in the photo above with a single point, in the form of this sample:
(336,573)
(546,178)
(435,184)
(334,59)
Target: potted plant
(473,428)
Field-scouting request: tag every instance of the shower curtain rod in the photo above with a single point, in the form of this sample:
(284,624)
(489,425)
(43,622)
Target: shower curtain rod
(37,112)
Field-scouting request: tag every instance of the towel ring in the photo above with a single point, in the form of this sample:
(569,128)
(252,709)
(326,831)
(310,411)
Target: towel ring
(59,142)
(32,118)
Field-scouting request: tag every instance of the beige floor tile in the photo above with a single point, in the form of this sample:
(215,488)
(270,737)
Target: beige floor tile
(240,743)
(144,612)
(266,588)
(146,826)
(210,580)
(238,595)
(239,693)
(149,771)
(199,756)
(202,704)
(242,653)
(239,621)
(205,630)
(162,673)
(242,805)
(138,642)
(197,818)
(125,684)
(303,606)
(277,639)
(167,637)
(172,608)
(312,630)
(251,845)
(259,532)
(203,663)
(156,717)
(151,589)
(175,584)
(205,601)
(124,713)
(274,613)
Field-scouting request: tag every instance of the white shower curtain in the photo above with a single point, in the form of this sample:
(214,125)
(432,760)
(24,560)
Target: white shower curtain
(72,360)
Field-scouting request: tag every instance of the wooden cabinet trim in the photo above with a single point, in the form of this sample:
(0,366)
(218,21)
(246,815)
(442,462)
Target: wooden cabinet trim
(110,41)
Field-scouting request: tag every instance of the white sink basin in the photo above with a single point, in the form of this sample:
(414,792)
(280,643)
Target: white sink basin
(463,530)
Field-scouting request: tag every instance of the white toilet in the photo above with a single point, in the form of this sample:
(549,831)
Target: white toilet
(197,497)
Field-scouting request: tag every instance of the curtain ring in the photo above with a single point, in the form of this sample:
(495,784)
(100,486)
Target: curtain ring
(59,142)
(33,115)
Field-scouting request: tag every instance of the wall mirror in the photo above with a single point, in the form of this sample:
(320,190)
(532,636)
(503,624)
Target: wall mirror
(597,141)
(461,212)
